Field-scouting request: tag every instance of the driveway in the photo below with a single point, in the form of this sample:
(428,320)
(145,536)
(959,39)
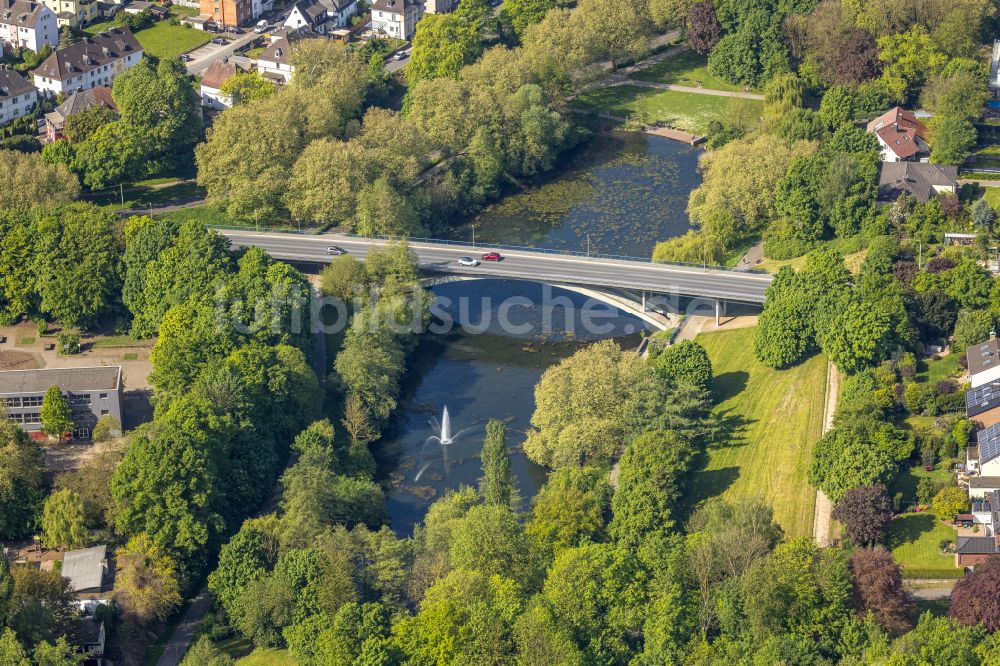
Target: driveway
(205,55)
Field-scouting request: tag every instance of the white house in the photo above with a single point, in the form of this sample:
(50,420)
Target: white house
(984,362)
(275,62)
(212,81)
(17,96)
(27,25)
(983,458)
(901,137)
(93,61)
(322,16)
(396,18)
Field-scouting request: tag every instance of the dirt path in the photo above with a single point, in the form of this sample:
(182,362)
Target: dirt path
(689,89)
(824,507)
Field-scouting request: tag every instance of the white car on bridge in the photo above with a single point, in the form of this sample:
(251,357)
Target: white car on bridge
(467,261)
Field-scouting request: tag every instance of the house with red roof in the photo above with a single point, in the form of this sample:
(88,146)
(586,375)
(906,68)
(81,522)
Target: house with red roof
(901,136)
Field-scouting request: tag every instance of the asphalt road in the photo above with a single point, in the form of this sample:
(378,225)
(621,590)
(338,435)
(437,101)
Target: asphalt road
(542,267)
(201,64)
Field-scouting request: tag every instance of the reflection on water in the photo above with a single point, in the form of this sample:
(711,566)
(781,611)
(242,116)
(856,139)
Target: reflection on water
(624,191)
(478,377)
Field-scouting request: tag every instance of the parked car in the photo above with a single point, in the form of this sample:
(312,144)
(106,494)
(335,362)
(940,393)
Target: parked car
(492,256)
(261,27)
(185,57)
(467,261)
(335,251)
(220,41)
(399,55)
(234,30)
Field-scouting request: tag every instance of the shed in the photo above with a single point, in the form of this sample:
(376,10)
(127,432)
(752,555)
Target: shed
(85,568)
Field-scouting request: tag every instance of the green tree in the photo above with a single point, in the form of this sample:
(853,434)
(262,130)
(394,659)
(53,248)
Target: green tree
(204,653)
(617,29)
(247,88)
(56,415)
(954,138)
(489,539)
(972,327)
(497,485)
(27,180)
(442,45)
(249,555)
(106,428)
(950,501)
(685,361)
(11,651)
(522,13)
(383,211)
(857,452)
(113,154)
(146,582)
(81,126)
(569,509)
(21,467)
(77,261)
(61,653)
(63,524)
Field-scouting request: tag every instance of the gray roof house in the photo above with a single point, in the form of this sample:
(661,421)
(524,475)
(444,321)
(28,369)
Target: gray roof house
(91,392)
(921,180)
(91,62)
(86,568)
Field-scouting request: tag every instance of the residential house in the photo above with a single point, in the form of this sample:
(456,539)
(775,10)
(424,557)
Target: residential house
(91,62)
(227,13)
(212,79)
(74,104)
(973,550)
(396,18)
(17,96)
(981,486)
(322,16)
(91,392)
(901,136)
(440,6)
(983,458)
(921,180)
(86,568)
(90,639)
(158,12)
(984,362)
(76,13)
(275,61)
(27,25)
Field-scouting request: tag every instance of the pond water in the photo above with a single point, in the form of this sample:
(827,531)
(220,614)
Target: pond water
(623,191)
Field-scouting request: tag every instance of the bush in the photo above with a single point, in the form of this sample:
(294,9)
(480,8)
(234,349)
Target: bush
(950,501)
(106,428)
(934,574)
(68,344)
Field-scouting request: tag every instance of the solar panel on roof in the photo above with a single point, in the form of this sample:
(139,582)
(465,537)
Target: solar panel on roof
(989,443)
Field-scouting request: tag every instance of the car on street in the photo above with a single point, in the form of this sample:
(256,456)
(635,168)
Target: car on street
(492,256)
(399,55)
(220,41)
(261,27)
(335,251)
(467,261)
(185,57)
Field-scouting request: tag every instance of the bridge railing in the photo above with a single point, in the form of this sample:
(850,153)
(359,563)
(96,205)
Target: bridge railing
(544,250)
(501,246)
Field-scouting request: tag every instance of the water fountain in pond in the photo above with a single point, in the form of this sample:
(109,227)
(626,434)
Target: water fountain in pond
(443,440)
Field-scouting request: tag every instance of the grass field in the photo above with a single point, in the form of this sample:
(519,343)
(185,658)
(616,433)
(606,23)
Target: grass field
(687,111)
(684,69)
(161,40)
(992,195)
(775,417)
(907,480)
(935,371)
(913,539)
(169,41)
(267,658)
(141,197)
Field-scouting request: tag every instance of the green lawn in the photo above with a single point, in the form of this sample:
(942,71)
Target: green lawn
(684,69)
(687,111)
(936,607)
(992,195)
(775,416)
(913,539)
(161,40)
(169,41)
(941,369)
(267,658)
(906,481)
(141,197)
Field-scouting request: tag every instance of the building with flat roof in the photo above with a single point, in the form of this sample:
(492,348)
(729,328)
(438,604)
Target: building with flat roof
(91,393)
(85,568)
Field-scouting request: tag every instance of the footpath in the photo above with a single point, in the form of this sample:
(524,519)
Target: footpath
(824,507)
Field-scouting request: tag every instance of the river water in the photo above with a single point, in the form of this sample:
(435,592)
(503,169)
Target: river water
(625,192)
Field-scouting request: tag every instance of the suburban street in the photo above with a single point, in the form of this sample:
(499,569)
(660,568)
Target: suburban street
(205,56)
(544,267)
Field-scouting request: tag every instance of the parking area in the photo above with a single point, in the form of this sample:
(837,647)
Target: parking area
(205,51)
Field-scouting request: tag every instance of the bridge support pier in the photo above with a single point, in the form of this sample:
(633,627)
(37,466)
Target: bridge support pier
(720,309)
(644,301)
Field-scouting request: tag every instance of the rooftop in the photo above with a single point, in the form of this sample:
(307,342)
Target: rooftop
(218,73)
(13,84)
(21,12)
(899,129)
(279,51)
(916,178)
(988,443)
(85,567)
(984,356)
(966,545)
(992,482)
(82,100)
(392,6)
(89,53)
(67,379)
